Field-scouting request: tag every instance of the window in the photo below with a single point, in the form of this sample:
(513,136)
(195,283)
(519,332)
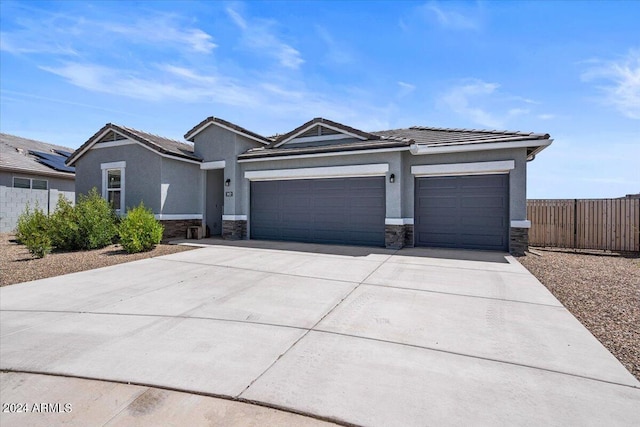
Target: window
(36,184)
(113,184)
(39,184)
(114,187)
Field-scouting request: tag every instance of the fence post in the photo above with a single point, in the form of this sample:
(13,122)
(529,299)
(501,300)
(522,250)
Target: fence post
(575,224)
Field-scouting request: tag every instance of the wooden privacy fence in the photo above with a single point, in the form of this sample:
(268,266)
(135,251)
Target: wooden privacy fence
(607,224)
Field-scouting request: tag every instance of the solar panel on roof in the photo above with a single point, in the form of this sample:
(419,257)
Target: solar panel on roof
(57,165)
(63,153)
(54,161)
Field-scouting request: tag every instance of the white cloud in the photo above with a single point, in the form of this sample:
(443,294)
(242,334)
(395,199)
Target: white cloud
(449,18)
(546,116)
(17,44)
(336,53)
(464,100)
(162,30)
(161,83)
(405,88)
(167,82)
(622,82)
(487,104)
(259,37)
(71,35)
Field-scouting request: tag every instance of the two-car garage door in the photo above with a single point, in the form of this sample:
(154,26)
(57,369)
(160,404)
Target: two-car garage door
(469,212)
(333,210)
(450,211)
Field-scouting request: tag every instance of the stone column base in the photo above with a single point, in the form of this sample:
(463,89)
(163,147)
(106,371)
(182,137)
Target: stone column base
(398,236)
(518,241)
(234,229)
(177,229)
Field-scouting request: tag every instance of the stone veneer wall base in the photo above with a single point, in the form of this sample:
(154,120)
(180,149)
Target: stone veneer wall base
(177,229)
(518,241)
(234,229)
(398,236)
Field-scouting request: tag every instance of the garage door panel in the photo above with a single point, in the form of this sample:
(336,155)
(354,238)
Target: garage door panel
(462,212)
(441,183)
(337,210)
(366,202)
(476,222)
(478,202)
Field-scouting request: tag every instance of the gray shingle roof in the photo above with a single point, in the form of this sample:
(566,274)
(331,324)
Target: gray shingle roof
(157,143)
(394,138)
(15,156)
(438,136)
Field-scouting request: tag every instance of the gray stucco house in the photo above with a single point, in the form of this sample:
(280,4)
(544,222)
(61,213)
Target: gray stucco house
(322,182)
(31,173)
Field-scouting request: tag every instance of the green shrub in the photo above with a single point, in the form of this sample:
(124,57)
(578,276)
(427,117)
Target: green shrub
(64,228)
(139,231)
(96,221)
(33,232)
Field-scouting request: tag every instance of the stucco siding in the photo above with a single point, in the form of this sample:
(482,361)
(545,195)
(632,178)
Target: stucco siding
(180,188)
(214,144)
(142,173)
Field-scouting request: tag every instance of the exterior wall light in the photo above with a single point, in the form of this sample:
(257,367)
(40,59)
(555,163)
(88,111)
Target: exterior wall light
(392,178)
(227,182)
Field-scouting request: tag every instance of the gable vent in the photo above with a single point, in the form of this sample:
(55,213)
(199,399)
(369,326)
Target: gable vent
(112,136)
(318,131)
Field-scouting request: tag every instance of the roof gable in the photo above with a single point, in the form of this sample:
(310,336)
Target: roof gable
(320,129)
(116,134)
(215,121)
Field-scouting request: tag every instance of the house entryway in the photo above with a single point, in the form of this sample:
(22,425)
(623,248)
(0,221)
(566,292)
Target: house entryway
(214,204)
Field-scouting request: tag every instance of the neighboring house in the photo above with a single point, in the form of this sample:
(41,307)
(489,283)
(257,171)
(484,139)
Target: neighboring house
(31,173)
(323,182)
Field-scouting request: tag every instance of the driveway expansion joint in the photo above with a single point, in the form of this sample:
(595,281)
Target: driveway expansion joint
(464,295)
(488,359)
(316,324)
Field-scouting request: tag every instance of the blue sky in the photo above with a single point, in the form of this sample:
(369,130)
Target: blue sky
(568,69)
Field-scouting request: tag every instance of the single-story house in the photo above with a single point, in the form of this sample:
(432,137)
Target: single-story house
(323,182)
(31,172)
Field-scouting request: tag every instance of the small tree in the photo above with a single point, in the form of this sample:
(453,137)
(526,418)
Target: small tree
(64,228)
(96,221)
(33,232)
(139,231)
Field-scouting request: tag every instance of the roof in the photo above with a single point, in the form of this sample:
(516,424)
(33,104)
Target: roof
(320,121)
(35,157)
(225,124)
(439,136)
(394,138)
(156,143)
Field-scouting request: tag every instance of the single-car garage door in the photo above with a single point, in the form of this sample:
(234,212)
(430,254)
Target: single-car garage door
(335,210)
(462,212)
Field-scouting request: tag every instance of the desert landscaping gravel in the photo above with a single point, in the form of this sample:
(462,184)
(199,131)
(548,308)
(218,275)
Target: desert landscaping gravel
(17,265)
(601,290)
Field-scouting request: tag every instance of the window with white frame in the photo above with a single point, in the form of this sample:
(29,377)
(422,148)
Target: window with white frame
(113,184)
(33,183)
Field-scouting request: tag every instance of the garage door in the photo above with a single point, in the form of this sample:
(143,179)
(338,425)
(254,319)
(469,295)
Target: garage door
(337,210)
(463,212)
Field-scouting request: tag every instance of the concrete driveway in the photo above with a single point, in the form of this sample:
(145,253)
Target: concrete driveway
(353,335)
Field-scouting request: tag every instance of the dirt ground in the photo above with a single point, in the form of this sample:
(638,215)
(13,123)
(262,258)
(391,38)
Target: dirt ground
(602,290)
(17,265)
